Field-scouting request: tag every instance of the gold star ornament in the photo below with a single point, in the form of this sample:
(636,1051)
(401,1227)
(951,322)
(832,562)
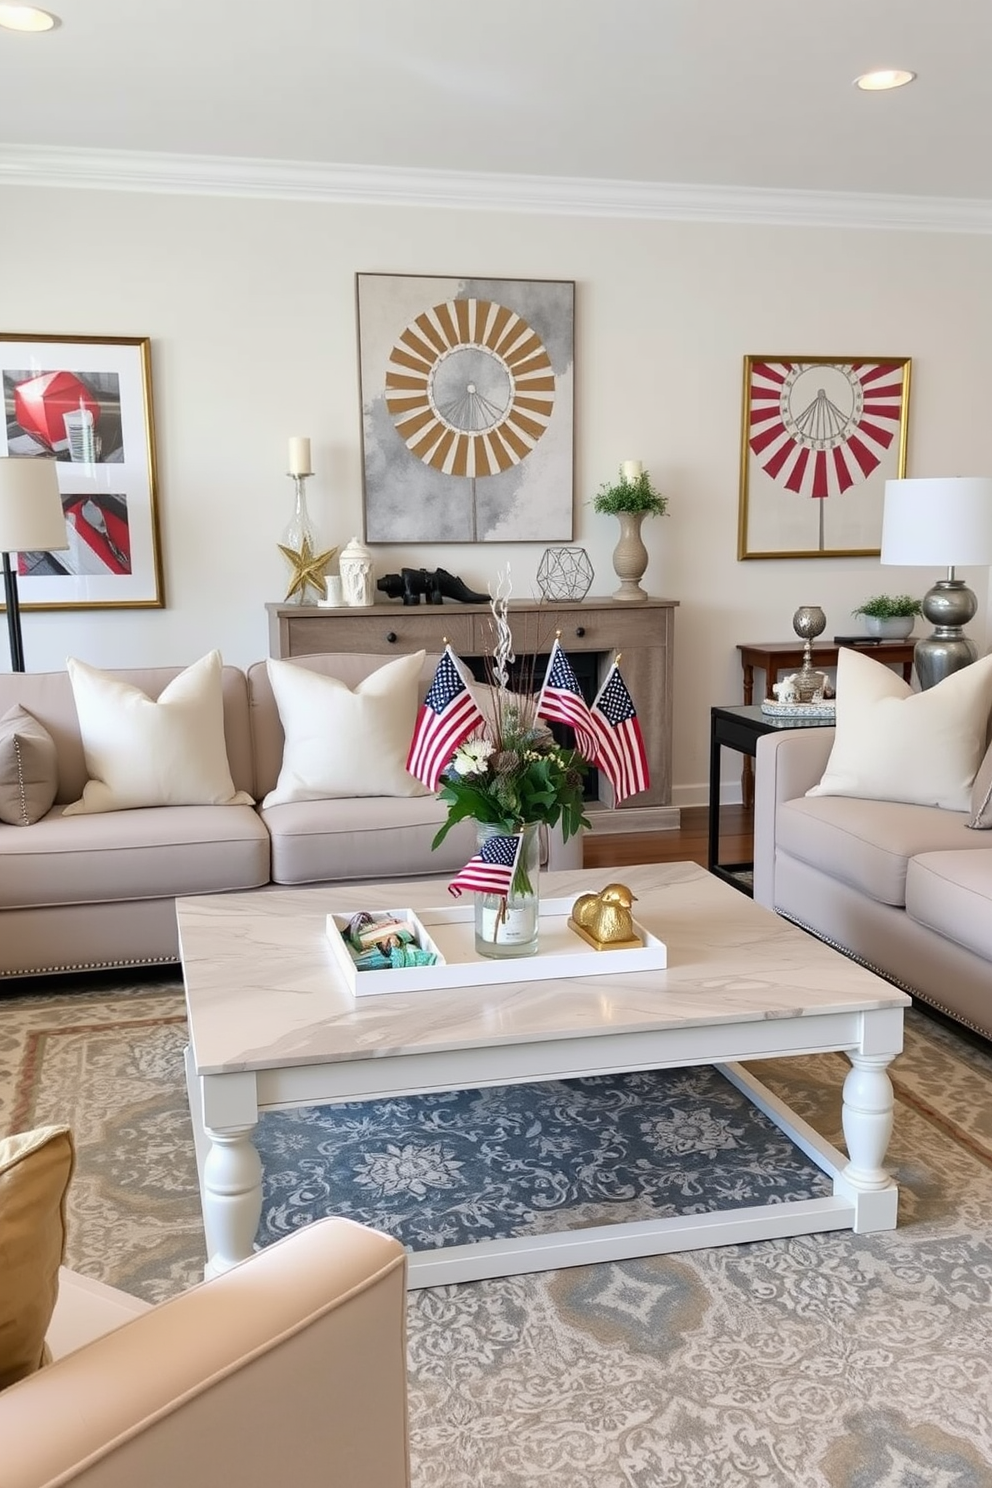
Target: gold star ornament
(308,569)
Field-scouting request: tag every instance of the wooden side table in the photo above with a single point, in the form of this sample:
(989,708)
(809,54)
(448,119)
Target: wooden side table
(787,656)
(776,657)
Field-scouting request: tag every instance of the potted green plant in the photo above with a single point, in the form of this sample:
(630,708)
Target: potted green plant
(630,499)
(889,616)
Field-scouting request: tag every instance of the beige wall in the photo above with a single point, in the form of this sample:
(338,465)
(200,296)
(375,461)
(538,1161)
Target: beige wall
(250,309)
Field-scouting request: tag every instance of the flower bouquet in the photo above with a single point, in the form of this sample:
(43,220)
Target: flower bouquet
(500,766)
(510,777)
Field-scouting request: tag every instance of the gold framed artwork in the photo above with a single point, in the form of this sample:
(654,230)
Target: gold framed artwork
(467,423)
(820,436)
(86,403)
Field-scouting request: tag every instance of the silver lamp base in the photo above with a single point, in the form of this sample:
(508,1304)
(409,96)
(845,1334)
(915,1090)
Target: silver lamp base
(948,606)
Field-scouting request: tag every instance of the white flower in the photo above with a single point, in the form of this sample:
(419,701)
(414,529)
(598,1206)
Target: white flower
(472,757)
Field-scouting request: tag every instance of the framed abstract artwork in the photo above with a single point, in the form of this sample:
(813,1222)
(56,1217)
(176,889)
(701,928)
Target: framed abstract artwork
(86,402)
(820,437)
(467,408)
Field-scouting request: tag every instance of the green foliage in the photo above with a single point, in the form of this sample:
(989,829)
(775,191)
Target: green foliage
(631,496)
(888,606)
(512,773)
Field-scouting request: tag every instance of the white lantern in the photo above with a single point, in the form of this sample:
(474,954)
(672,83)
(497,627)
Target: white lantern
(355,566)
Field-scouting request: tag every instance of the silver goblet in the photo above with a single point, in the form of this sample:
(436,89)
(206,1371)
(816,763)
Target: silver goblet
(808,622)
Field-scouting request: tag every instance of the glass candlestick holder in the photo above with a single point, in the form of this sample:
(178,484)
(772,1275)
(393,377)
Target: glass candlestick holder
(808,622)
(298,539)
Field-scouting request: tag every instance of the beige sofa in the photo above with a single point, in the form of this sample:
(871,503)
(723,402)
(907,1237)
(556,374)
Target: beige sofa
(289,1368)
(93,891)
(906,890)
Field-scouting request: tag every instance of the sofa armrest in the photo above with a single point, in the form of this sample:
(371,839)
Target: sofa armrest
(786,765)
(291,1366)
(85,1310)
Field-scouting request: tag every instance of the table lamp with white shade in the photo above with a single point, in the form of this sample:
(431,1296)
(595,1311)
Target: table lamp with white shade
(944,520)
(31,520)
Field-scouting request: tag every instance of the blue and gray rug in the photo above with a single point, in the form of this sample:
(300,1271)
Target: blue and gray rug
(447,1169)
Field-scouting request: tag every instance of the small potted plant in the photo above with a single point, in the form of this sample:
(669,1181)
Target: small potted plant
(889,616)
(630,499)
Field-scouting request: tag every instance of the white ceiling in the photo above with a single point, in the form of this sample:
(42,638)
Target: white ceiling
(737,93)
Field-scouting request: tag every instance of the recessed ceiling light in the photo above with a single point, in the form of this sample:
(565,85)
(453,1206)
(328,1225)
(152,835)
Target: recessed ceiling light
(878,82)
(26,18)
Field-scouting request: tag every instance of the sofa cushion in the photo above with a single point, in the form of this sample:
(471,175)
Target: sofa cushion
(343,742)
(868,844)
(363,837)
(142,752)
(139,854)
(29,768)
(981,795)
(35,1169)
(951,892)
(893,744)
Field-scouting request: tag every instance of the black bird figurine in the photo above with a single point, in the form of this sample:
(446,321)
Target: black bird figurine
(435,585)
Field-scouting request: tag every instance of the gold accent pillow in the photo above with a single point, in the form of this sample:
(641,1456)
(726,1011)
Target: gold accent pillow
(29,768)
(35,1169)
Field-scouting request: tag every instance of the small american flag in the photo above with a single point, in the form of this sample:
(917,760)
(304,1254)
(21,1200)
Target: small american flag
(561,701)
(448,716)
(620,752)
(491,870)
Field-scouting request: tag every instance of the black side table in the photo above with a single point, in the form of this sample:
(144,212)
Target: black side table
(740,729)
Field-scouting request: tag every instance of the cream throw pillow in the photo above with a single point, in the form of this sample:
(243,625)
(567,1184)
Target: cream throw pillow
(893,744)
(35,1169)
(29,768)
(144,753)
(344,743)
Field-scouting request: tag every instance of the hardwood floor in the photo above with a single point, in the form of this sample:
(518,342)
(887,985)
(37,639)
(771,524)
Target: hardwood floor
(687,845)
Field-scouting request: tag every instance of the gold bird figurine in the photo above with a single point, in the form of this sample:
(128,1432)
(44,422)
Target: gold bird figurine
(604,919)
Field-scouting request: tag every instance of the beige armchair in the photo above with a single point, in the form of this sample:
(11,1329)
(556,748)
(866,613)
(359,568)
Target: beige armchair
(290,1368)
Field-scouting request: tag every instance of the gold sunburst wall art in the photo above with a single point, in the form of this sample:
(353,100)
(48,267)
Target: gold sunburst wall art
(467,408)
(820,437)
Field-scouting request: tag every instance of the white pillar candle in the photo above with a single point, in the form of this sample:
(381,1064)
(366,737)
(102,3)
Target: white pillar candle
(299,456)
(631,469)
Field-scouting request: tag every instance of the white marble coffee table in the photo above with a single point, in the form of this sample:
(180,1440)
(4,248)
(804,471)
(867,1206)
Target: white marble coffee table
(272,1026)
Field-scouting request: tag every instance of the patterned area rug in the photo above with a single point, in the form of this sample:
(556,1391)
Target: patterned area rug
(833,1361)
(448,1169)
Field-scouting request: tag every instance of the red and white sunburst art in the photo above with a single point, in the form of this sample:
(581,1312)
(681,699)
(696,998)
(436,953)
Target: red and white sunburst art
(819,428)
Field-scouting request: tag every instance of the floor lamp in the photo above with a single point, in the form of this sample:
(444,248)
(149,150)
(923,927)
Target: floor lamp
(31,520)
(944,520)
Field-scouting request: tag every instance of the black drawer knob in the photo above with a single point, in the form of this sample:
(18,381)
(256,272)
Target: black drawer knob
(391,636)
(580,630)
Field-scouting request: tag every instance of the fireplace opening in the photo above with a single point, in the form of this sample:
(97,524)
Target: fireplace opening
(528,673)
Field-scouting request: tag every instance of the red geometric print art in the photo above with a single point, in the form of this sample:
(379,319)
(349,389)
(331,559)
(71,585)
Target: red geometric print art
(819,431)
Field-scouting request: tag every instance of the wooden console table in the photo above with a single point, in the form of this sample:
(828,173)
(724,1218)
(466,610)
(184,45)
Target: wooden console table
(644,633)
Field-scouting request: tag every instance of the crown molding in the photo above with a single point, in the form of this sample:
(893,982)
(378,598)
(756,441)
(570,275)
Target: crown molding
(570,196)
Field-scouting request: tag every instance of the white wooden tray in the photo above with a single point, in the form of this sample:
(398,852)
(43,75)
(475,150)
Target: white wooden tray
(450,931)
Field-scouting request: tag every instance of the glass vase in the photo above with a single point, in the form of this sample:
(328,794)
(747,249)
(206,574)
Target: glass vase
(508,924)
